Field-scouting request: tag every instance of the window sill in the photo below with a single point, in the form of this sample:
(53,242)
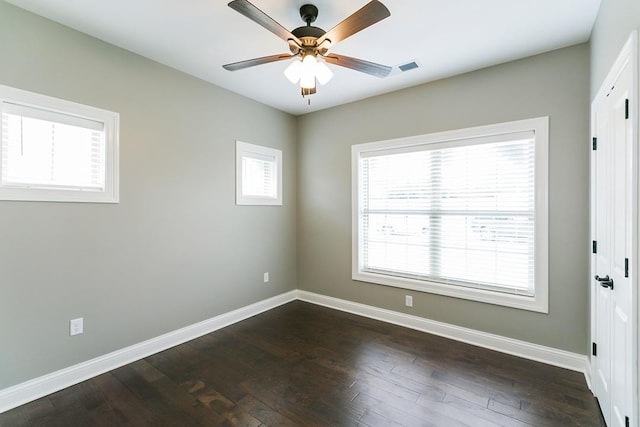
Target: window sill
(538,303)
(58,195)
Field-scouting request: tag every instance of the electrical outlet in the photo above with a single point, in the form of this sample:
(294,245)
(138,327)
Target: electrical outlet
(266,277)
(76,326)
(408,300)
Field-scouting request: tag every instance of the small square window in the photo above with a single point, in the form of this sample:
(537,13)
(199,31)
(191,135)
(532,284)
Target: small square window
(56,150)
(258,175)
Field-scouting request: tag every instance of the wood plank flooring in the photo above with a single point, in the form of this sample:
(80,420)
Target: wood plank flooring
(305,365)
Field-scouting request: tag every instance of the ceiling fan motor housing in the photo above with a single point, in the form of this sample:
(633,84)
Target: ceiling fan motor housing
(308,34)
(308,31)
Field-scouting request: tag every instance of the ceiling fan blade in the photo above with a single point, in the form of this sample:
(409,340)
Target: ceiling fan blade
(361,65)
(256,61)
(250,11)
(369,14)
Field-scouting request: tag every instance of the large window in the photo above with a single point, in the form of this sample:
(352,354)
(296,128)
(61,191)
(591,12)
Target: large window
(56,150)
(461,213)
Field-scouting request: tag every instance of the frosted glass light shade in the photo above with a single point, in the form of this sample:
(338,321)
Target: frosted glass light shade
(323,73)
(294,71)
(308,81)
(308,77)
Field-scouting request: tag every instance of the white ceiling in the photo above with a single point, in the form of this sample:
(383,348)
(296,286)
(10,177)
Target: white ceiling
(445,37)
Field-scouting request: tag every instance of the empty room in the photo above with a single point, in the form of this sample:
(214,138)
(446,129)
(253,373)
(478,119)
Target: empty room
(319,212)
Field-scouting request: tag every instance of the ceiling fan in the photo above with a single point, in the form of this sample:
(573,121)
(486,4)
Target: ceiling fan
(311,44)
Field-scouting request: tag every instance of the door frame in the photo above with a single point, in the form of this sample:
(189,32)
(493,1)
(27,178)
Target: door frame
(628,54)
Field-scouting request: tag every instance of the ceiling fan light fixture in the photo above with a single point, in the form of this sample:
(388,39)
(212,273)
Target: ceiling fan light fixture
(307,71)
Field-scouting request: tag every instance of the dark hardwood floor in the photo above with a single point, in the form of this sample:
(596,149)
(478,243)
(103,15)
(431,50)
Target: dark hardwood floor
(305,365)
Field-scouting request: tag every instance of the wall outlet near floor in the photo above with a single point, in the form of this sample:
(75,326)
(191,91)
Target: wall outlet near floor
(76,326)
(266,277)
(408,300)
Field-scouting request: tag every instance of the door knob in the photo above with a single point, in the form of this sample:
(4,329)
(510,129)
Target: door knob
(605,281)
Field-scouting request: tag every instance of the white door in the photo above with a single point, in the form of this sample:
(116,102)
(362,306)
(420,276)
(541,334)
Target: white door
(613,205)
(602,295)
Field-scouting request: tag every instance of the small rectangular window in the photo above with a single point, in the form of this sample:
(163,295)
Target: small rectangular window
(461,213)
(56,150)
(258,175)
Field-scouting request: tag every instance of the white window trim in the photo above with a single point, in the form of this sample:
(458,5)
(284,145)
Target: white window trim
(244,149)
(540,301)
(111,127)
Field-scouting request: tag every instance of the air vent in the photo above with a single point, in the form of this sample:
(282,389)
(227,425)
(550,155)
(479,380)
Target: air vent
(408,66)
(398,69)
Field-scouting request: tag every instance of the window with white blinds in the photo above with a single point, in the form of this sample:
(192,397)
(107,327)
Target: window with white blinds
(55,150)
(460,213)
(258,175)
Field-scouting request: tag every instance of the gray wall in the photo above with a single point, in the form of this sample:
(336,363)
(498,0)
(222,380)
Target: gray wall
(176,250)
(554,84)
(616,20)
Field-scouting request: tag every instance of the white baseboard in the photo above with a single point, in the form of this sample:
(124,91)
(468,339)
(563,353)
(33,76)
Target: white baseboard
(526,350)
(28,391)
(588,375)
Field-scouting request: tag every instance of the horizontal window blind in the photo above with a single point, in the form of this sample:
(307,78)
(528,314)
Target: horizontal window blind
(50,116)
(259,176)
(47,149)
(460,212)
